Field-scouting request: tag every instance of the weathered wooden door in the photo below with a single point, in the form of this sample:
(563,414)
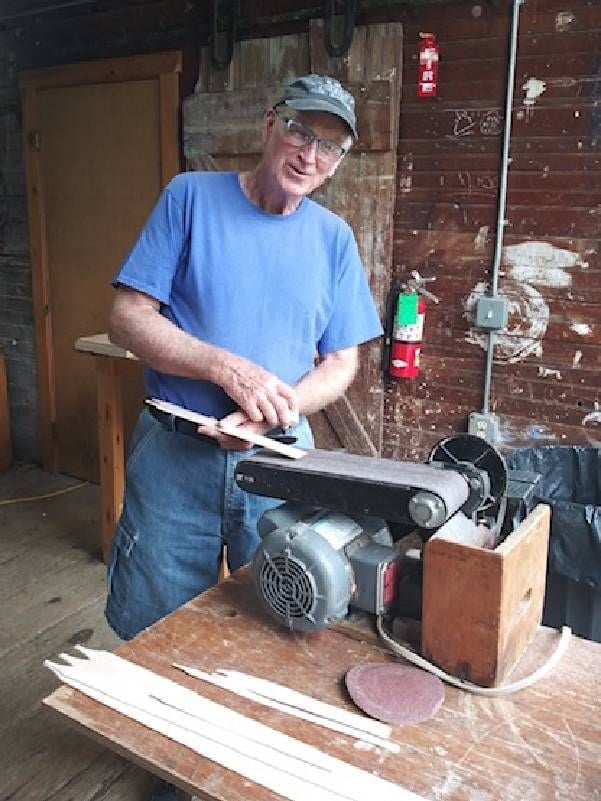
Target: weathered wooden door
(221,131)
(101,140)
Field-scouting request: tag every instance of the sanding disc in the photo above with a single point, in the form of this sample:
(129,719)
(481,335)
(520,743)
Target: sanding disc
(395,693)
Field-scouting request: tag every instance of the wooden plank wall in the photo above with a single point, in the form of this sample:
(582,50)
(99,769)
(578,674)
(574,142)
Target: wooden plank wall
(546,377)
(546,380)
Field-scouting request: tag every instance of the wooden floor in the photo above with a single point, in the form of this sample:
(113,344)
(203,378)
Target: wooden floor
(52,590)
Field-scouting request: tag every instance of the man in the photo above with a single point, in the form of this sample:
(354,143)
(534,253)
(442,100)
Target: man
(236,282)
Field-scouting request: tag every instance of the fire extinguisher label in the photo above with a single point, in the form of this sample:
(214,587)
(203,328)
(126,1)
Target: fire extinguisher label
(407,309)
(410,333)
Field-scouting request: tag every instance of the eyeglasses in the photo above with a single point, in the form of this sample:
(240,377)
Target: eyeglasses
(300,136)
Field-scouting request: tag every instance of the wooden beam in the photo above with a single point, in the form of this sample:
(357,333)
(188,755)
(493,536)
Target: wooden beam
(16,9)
(349,428)
(128,68)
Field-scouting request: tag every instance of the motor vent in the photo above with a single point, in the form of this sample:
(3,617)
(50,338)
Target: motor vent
(287,588)
(301,580)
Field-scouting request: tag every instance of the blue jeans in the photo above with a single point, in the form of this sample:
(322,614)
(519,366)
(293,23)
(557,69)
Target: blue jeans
(181,505)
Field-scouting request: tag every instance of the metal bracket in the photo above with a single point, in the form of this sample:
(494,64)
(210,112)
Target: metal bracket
(233,9)
(341,49)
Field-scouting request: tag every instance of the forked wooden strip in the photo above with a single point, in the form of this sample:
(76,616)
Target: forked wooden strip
(302,771)
(357,732)
(277,692)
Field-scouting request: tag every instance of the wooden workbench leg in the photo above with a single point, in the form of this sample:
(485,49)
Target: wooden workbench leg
(111,446)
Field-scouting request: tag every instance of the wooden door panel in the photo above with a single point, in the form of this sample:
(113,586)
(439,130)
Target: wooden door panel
(101,141)
(363,192)
(101,167)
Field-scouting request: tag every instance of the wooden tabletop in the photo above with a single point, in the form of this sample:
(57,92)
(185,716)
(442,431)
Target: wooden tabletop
(101,345)
(540,744)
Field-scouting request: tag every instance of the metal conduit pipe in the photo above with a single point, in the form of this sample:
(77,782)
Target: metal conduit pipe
(502,202)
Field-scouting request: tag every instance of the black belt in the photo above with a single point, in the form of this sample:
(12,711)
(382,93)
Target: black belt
(173,423)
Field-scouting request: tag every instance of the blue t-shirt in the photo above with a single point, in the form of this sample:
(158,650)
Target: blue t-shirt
(272,288)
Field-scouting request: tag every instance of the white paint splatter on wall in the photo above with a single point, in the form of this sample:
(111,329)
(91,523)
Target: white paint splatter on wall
(563,21)
(541,263)
(529,317)
(533,89)
(582,329)
(529,264)
(480,239)
(591,423)
(546,372)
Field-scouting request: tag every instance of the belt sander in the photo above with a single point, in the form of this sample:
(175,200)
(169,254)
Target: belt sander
(336,544)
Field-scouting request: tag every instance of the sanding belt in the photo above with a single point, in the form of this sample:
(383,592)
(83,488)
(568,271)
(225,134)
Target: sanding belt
(351,471)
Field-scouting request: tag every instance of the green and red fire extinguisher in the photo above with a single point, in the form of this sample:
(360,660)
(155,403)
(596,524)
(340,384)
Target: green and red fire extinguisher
(405,318)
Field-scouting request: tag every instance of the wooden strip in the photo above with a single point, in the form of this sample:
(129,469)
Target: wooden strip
(111,448)
(100,345)
(233,740)
(40,281)
(357,727)
(169,125)
(5,441)
(247,436)
(128,68)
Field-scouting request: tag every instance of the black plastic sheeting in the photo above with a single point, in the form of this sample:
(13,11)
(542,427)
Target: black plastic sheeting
(571,484)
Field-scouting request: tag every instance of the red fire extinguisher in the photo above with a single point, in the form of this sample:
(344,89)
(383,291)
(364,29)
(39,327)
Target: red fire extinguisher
(407,336)
(429,54)
(406,314)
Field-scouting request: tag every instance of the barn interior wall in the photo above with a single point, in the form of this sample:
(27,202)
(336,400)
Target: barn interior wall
(546,377)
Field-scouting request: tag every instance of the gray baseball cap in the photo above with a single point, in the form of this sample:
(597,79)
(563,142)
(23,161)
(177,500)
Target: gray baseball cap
(321,93)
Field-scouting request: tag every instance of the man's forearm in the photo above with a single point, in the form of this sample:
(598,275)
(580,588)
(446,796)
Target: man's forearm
(138,325)
(163,346)
(327,381)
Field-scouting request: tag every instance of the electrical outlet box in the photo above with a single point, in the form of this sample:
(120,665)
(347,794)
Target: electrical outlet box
(492,312)
(485,426)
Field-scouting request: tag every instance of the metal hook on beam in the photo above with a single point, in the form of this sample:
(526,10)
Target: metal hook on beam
(350,7)
(220,62)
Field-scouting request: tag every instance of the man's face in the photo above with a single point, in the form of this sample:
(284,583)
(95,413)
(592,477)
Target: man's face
(300,169)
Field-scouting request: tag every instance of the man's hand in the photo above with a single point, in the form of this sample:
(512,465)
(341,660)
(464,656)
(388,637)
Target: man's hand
(138,325)
(237,420)
(259,393)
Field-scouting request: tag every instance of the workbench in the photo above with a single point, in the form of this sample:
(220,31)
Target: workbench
(113,363)
(540,744)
